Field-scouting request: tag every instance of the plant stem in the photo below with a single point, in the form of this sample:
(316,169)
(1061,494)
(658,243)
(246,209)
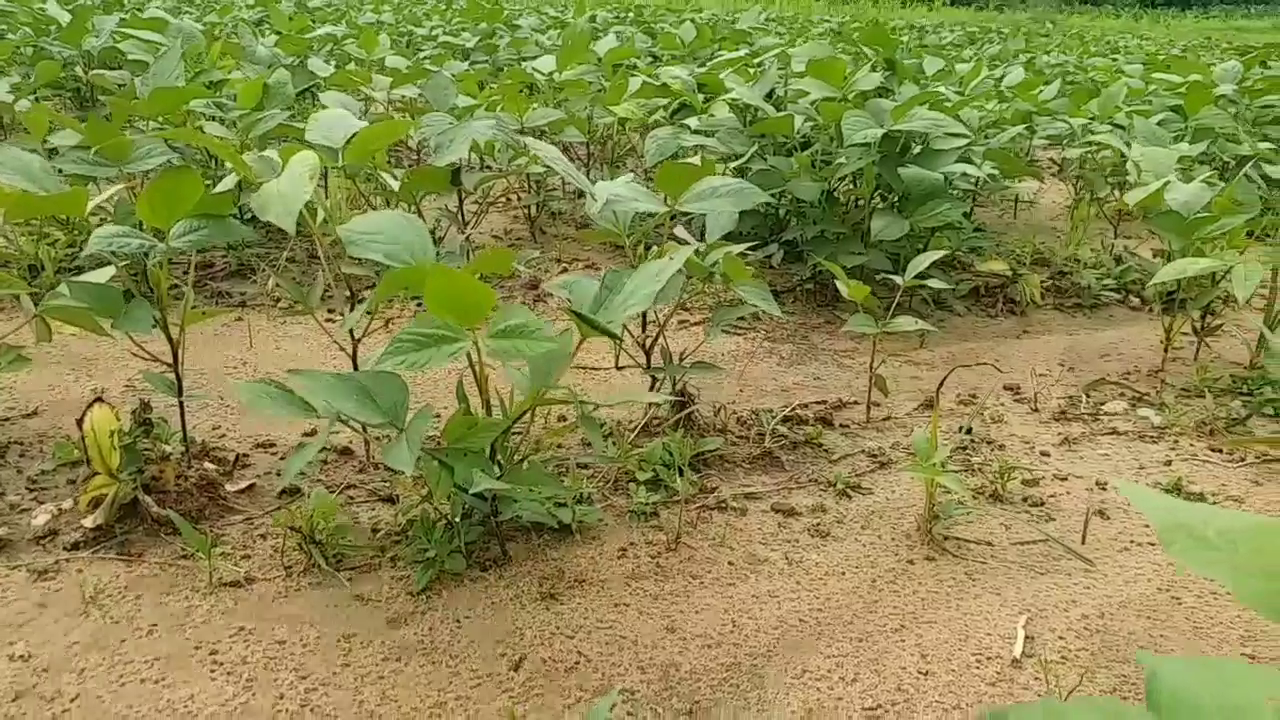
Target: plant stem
(17,327)
(1270,318)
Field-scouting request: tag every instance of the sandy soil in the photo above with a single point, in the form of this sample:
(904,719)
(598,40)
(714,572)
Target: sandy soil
(837,610)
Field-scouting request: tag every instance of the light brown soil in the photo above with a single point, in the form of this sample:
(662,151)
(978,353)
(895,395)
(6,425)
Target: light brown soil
(840,610)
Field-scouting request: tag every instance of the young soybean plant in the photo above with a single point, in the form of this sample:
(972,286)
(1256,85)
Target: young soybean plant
(889,322)
(181,221)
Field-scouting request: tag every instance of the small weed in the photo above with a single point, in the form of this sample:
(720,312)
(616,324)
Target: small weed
(846,487)
(319,529)
(1003,475)
(203,544)
(1178,487)
(664,470)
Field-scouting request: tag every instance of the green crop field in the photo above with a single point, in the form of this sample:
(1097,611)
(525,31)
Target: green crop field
(503,281)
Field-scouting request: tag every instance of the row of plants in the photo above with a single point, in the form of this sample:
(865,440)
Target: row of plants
(139,142)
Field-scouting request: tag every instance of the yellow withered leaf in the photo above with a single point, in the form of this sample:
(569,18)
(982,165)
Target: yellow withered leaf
(99,486)
(100,432)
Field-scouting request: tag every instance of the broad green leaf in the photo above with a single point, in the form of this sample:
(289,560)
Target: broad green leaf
(1231,547)
(639,291)
(196,316)
(1187,199)
(495,261)
(161,383)
(203,232)
(755,292)
(921,262)
(28,171)
(280,200)
(169,196)
(441,91)
(1246,275)
(401,453)
(304,454)
(274,398)
(551,156)
(119,241)
(624,194)
(1193,688)
(674,177)
(720,194)
(1184,268)
(22,205)
(375,138)
(887,226)
(166,71)
(12,359)
(332,127)
(863,324)
(10,285)
(137,318)
(424,345)
(457,297)
(375,398)
(389,237)
(515,334)
(906,323)
(70,312)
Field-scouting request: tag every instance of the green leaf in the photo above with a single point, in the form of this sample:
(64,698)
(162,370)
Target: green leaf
(719,193)
(12,359)
(624,194)
(196,541)
(375,398)
(423,346)
(401,453)
(863,324)
(1187,199)
(1246,275)
(1184,268)
(906,323)
(204,232)
(166,71)
(441,91)
(674,177)
(280,200)
(887,226)
(137,318)
(10,285)
(495,261)
(28,171)
(921,262)
(1193,688)
(274,398)
(1077,708)
(119,241)
(551,156)
(332,127)
(375,138)
(639,291)
(1231,547)
(28,206)
(70,312)
(304,454)
(515,334)
(755,292)
(457,297)
(161,383)
(390,237)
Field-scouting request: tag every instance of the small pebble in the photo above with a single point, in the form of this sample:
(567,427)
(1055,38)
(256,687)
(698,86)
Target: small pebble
(1044,452)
